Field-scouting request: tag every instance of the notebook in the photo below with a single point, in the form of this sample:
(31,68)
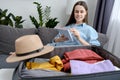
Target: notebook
(66,33)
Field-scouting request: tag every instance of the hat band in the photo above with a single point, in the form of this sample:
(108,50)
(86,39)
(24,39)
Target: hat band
(24,54)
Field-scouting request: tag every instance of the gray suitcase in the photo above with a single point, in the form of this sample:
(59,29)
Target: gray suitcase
(111,75)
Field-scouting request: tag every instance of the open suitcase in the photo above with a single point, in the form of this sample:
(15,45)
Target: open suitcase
(111,75)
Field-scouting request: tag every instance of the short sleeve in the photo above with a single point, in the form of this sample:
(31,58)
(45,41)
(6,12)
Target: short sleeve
(93,37)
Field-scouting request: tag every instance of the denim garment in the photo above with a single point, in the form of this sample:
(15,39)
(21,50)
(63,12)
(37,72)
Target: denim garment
(81,67)
(87,32)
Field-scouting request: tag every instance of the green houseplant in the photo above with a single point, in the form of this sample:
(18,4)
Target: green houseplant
(5,18)
(10,19)
(18,21)
(44,17)
(33,19)
(51,23)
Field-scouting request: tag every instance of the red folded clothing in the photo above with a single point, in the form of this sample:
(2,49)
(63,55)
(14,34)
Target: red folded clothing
(86,55)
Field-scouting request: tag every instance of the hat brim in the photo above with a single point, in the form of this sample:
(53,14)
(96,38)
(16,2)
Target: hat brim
(14,58)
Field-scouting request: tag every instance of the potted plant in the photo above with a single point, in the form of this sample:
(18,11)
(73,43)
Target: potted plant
(18,21)
(5,19)
(44,17)
(10,19)
(51,23)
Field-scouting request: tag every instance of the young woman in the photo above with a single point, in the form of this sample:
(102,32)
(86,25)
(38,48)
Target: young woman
(82,33)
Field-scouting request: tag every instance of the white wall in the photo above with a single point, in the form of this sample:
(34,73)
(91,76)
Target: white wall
(25,8)
(91,9)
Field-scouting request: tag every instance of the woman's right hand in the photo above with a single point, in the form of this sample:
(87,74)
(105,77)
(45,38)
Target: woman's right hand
(61,39)
(75,32)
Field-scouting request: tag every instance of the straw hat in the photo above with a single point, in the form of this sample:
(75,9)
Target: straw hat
(28,46)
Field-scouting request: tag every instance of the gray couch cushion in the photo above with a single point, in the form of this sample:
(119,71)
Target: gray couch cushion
(47,34)
(8,35)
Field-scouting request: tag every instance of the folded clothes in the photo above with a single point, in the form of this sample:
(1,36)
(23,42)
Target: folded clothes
(82,54)
(55,63)
(81,67)
(86,55)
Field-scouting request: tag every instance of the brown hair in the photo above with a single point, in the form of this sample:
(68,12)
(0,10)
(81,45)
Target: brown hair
(72,19)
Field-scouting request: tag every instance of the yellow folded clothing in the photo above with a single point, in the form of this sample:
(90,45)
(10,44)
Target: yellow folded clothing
(55,63)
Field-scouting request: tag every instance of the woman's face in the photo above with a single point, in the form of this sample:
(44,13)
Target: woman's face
(79,14)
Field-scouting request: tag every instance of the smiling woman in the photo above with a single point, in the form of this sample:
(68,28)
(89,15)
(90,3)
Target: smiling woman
(79,18)
(91,8)
(82,33)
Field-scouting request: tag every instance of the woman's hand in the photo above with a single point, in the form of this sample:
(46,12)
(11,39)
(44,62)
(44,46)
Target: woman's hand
(75,32)
(61,39)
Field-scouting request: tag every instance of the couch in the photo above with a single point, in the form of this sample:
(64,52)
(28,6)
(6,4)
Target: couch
(8,35)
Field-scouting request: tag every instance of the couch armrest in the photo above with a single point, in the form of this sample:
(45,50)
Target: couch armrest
(102,38)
